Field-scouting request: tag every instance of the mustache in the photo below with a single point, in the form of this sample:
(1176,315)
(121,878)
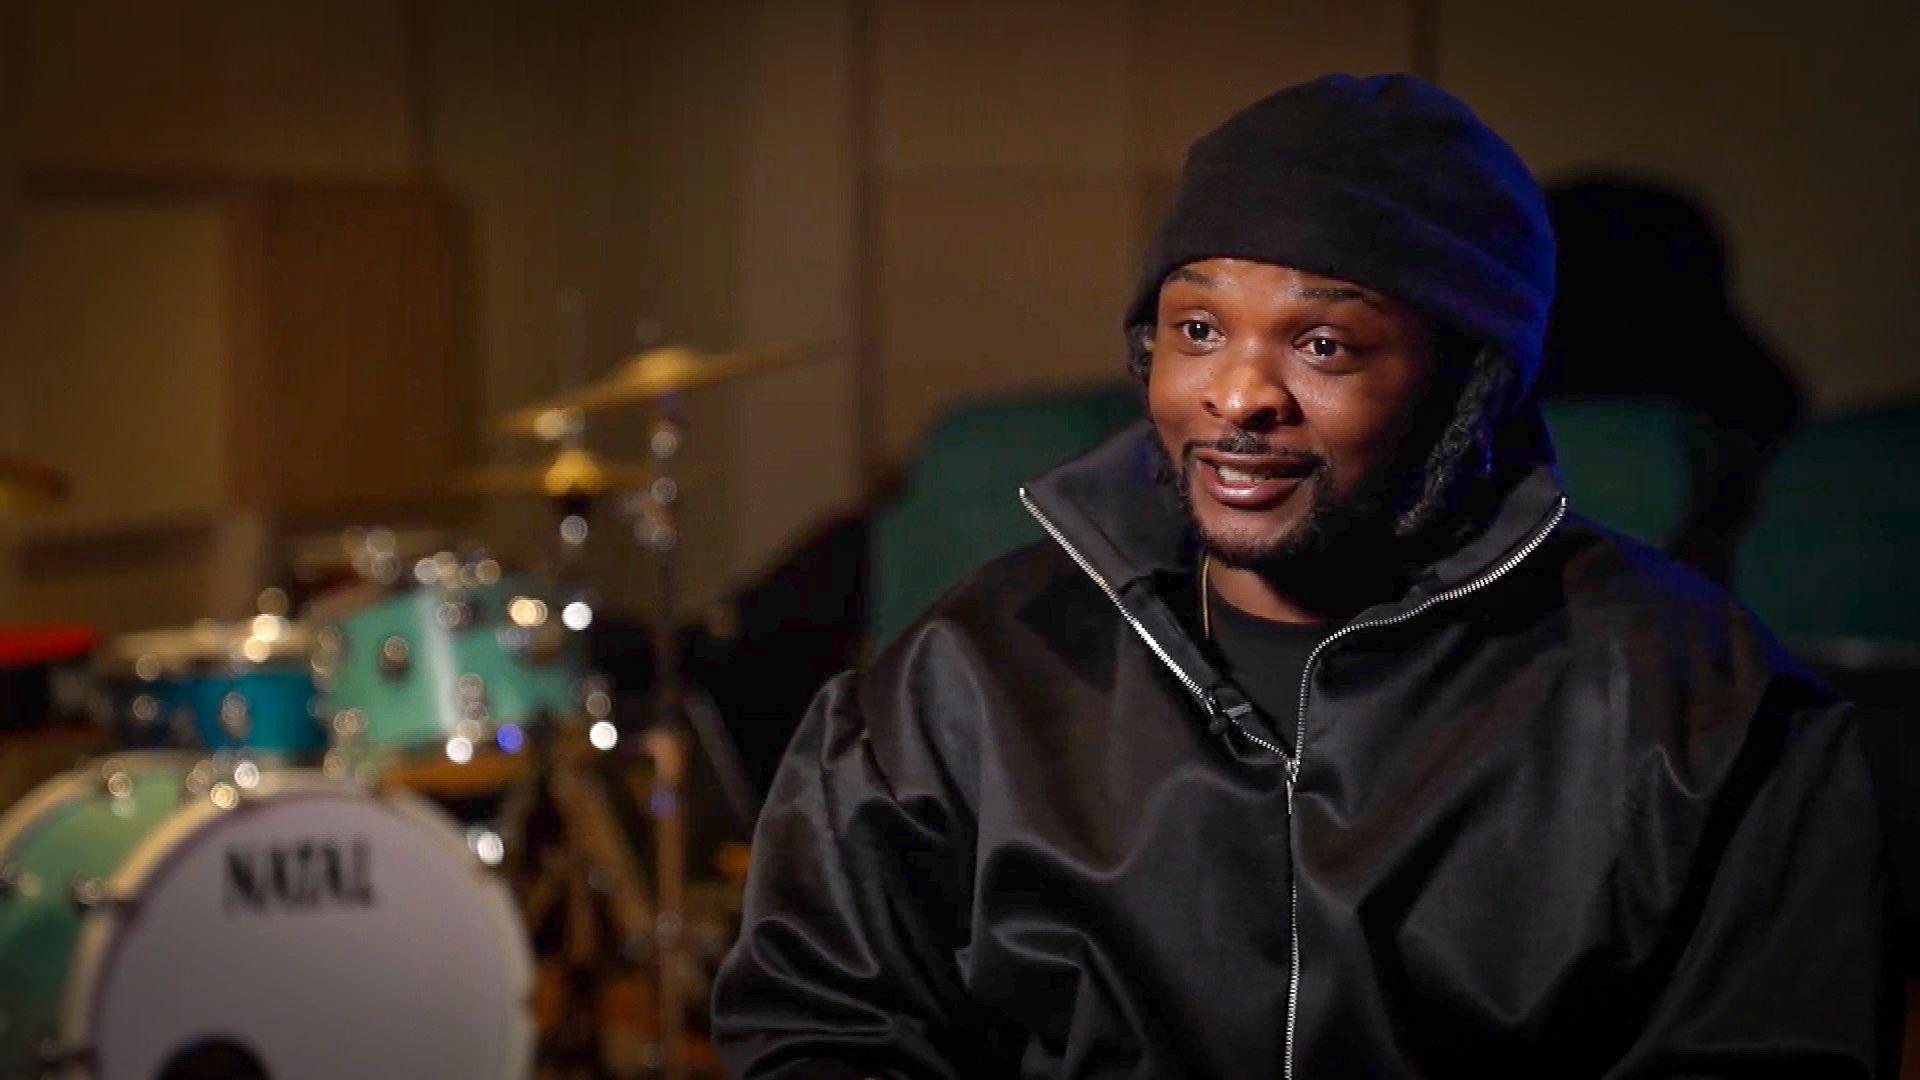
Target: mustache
(1246,442)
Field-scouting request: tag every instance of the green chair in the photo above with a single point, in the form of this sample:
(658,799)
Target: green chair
(1628,463)
(1834,555)
(959,506)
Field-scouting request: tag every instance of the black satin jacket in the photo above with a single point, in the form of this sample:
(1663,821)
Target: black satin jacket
(1562,810)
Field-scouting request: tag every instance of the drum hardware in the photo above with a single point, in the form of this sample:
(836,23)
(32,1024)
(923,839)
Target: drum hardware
(675,727)
(198,781)
(591,870)
(396,658)
(675,723)
(569,473)
(453,614)
(647,378)
(113,778)
(327,643)
(348,725)
(472,689)
(235,720)
(90,894)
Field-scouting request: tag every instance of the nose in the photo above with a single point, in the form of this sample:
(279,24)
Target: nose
(1248,392)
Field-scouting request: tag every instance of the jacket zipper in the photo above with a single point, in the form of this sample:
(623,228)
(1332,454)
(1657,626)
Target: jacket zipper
(1300,732)
(1207,701)
(1292,762)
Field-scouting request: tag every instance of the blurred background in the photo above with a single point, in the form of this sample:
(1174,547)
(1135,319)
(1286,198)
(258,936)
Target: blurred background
(269,272)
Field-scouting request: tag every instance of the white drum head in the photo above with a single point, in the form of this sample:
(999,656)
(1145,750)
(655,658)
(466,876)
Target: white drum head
(321,932)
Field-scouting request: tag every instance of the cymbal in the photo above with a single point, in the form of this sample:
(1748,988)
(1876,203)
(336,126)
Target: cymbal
(569,472)
(650,376)
(29,485)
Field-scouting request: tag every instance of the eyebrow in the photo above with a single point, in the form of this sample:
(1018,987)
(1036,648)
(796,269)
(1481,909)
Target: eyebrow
(1331,293)
(1335,293)
(1193,277)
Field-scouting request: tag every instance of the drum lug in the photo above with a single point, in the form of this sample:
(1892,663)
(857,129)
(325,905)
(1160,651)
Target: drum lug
(113,778)
(454,614)
(396,657)
(197,781)
(328,644)
(470,690)
(90,894)
(236,719)
(348,726)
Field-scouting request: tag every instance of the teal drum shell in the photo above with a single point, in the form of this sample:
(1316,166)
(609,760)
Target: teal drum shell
(275,708)
(419,670)
(197,689)
(77,827)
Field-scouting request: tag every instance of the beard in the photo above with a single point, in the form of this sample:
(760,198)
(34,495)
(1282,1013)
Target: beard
(1333,525)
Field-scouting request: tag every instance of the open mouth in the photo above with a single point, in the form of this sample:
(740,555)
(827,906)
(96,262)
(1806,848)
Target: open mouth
(1252,483)
(1236,476)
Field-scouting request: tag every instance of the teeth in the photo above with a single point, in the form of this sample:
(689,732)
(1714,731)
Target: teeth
(1238,477)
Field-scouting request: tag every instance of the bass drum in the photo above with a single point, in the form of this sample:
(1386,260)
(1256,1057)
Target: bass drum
(162,919)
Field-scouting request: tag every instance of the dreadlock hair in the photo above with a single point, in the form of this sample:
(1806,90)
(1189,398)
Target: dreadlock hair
(1451,493)
(1453,484)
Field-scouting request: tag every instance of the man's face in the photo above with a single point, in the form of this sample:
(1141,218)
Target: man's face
(1281,398)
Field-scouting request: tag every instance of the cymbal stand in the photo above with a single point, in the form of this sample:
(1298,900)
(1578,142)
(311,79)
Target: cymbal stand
(677,728)
(592,867)
(656,527)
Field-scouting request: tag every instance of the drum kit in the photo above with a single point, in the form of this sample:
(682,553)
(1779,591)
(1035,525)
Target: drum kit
(401,831)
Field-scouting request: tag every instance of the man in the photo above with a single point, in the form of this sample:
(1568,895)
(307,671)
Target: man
(1319,738)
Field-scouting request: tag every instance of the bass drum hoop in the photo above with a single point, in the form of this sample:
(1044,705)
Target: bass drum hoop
(100,930)
(73,785)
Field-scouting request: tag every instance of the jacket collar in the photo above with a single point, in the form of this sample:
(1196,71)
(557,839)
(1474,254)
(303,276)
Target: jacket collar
(1128,526)
(1129,533)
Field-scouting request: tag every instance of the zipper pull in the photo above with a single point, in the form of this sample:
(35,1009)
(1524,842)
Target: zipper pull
(1225,705)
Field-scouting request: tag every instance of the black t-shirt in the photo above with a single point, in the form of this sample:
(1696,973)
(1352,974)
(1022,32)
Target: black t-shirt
(1265,659)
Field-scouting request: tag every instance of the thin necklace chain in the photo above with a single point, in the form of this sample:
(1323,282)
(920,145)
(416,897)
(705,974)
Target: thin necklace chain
(1206,598)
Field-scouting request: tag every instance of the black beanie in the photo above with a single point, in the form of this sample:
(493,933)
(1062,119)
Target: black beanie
(1385,181)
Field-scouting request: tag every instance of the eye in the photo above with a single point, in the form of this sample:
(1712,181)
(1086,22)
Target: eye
(1197,332)
(1324,347)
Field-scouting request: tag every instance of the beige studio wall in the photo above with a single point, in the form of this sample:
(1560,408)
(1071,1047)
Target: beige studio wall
(952,195)
(130,131)
(1799,127)
(887,178)
(597,148)
(1017,155)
